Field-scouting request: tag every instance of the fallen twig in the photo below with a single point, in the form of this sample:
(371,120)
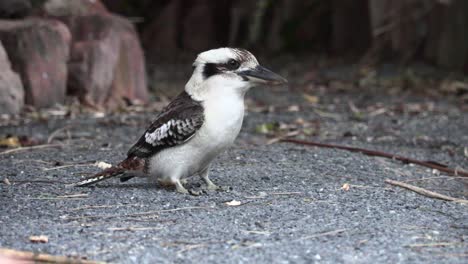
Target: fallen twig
(256,232)
(285,193)
(330,233)
(191,247)
(56,132)
(42,258)
(454,255)
(425,192)
(78,195)
(281,137)
(376,153)
(60,197)
(68,166)
(133,228)
(139,214)
(37,181)
(438,244)
(31,148)
(99,207)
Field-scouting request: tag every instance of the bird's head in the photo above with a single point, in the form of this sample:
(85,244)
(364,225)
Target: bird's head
(229,69)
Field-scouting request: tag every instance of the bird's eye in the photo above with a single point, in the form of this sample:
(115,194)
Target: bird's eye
(233,64)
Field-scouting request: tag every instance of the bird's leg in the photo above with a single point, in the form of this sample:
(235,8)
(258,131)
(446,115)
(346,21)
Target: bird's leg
(205,176)
(180,188)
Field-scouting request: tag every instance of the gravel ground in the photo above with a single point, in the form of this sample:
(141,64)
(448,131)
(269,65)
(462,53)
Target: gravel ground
(292,205)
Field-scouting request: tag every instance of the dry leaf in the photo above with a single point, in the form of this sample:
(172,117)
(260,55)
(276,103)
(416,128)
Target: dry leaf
(233,203)
(293,108)
(300,121)
(11,142)
(311,98)
(345,187)
(6,181)
(39,239)
(353,107)
(465,151)
(267,128)
(102,165)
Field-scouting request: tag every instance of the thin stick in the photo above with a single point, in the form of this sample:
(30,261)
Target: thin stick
(133,228)
(330,233)
(285,193)
(37,181)
(77,195)
(68,166)
(53,134)
(40,257)
(431,165)
(289,134)
(191,247)
(99,207)
(425,192)
(139,214)
(71,197)
(31,148)
(439,244)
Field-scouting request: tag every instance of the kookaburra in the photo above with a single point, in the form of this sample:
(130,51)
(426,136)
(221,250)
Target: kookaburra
(199,123)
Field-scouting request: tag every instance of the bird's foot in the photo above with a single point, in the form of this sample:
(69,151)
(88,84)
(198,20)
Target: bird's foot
(206,189)
(211,186)
(195,192)
(224,188)
(180,188)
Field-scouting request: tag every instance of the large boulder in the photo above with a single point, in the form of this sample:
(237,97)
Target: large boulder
(60,8)
(11,88)
(38,50)
(76,47)
(107,65)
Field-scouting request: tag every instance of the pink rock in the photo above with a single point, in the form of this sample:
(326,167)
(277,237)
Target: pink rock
(58,8)
(107,64)
(38,50)
(11,88)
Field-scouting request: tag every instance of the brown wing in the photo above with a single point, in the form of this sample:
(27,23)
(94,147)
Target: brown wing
(175,125)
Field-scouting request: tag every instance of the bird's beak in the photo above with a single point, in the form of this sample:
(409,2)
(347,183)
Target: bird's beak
(261,75)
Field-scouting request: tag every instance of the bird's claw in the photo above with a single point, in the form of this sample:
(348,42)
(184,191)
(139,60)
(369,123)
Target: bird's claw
(196,192)
(224,188)
(212,187)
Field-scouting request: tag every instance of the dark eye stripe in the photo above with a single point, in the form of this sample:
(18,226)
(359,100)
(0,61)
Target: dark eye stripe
(211,69)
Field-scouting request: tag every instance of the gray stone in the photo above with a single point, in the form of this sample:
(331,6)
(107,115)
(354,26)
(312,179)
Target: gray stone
(11,88)
(38,50)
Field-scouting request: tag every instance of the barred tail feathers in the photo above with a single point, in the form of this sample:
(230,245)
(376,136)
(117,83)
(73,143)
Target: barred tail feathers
(101,176)
(129,164)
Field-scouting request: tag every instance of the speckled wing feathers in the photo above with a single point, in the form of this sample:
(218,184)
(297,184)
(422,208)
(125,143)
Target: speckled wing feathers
(175,125)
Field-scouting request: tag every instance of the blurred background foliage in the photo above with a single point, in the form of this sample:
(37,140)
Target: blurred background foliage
(112,51)
(432,31)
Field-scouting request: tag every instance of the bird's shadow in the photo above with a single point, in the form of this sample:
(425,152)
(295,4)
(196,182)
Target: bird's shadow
(147,186)
(127,186)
